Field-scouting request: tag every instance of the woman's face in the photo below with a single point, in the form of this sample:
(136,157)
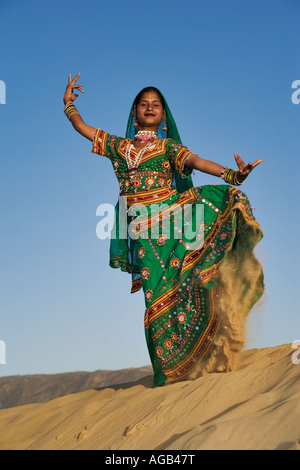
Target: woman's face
(149,111)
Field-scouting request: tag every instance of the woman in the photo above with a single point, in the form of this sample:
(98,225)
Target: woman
(197,293)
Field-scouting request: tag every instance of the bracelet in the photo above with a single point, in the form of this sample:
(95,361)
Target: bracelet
(230,176)
(236,181)
(70,109)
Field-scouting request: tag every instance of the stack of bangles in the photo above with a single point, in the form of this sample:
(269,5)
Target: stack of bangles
(230,176)
(70,109)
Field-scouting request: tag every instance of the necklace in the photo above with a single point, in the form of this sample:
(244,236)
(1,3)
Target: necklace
(145,135)
(133,166)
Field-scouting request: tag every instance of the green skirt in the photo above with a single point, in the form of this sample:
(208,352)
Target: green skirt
(198,291)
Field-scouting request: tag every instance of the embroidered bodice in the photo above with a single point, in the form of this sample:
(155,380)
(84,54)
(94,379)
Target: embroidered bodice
(155,171)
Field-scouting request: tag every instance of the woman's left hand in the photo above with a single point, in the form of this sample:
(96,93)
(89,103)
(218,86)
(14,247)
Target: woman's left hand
(244,169)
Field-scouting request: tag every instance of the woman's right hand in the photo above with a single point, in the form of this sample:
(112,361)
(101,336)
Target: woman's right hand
(69,95)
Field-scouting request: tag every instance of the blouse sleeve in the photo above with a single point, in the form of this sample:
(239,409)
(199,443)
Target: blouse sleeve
(178,155)
(103,143)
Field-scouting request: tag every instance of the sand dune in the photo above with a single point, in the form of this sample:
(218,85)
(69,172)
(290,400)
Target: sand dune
(255,407)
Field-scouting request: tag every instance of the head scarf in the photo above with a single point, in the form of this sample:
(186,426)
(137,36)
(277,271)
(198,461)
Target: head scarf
(180,183)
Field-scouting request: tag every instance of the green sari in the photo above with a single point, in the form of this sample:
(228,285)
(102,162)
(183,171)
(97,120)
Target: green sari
(197,297)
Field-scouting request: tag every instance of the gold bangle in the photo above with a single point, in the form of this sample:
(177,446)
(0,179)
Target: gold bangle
(230,176)
(70,109)
(236,181)
(69,105)
(72,113)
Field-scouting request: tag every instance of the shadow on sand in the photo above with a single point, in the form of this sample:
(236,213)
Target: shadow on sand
(145,381)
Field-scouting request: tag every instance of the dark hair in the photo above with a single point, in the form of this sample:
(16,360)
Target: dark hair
(146,90)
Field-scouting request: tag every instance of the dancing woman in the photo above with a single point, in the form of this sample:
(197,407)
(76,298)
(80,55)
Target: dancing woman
(197,294)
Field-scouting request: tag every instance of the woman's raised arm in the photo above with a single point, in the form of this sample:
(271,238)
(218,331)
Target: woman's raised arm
(72,113)
(212,168)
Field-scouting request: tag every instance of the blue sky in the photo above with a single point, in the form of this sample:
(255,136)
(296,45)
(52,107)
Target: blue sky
(226,68)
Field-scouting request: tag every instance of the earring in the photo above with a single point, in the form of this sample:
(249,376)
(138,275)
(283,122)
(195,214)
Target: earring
(165,122)
(135,123)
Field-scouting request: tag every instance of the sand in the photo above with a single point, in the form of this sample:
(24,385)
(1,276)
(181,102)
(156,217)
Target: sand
(255,407)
